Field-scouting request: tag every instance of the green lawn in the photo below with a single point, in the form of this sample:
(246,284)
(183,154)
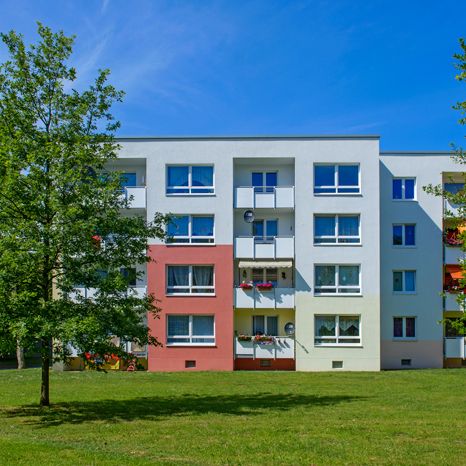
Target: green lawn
(399,418)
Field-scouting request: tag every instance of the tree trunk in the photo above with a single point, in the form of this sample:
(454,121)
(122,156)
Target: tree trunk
(20,356)
(44,387)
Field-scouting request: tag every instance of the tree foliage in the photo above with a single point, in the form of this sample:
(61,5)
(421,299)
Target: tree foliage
(63,219)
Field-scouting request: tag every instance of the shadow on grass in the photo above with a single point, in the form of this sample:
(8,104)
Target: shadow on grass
(156,408)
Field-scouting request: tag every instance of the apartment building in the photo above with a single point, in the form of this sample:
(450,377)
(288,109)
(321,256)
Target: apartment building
(296,253)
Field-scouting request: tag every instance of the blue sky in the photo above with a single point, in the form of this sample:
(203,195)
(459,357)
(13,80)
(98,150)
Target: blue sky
(269,67)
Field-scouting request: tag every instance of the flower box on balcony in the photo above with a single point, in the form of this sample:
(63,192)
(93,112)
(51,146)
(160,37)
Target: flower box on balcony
(246,286)
(264,286)
(244,338)
(264,340)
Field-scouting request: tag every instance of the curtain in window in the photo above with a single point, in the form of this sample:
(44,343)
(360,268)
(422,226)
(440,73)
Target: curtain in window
(203,326)
(397,327)
(178,226)
(410,327)
(324,226)
(203,226)
(325,275)
(410,279)
(202,176)
(348,275)
(348,226)
(272,325)
(325,326)
(178,325)
(178,176)
(258,325)
(349,326)
(178,275)
(203,276)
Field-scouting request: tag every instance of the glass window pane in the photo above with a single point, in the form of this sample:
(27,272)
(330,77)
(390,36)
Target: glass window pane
(178,325)
(258,228)
(410,280)
(409,188)
(203,226)
(325,326)
(348,275)
(271,181)
(397,189)
(203,275)
(397,327)
(324,226)
(349,326)
(324,175)
(325,275)
(178,275)
(130,275)
(257,179)
(348,226)
(202,176)
(397,281)
(177,176)
(258,325)
(272,228)
(128,179)
(410,327)
(410,235)
(348,175)
(272,325)
(453,188)
(257,275)
(179,226)
(203,326)
(397,235)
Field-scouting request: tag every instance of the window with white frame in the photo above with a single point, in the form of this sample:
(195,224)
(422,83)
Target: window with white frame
(264,182)
(190,179)
(260,275)
(404,189)
(337,279)
(265,325)
(337,330)
(404,327)
(404,235)
(190,329)
(336,179)
(190,279)
(404,281)
(337,229)
(191,229)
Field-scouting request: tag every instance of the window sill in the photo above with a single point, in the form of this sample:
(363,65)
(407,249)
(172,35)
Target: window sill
(403,247)
(338,194)
(189,194)
(341,345)
(190,345)
(404,200)
(189,244)
(404,339)
(345,245)
(184,295)
(405,293)
(339,295)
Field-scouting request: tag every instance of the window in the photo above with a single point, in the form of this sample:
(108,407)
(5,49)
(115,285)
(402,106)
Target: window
(404,189)
(130,275)
(190,179)
(336,179)
(337,330)
(453,188)
(404,281)
(337,279)
(404,235)
(404,327)
(264,230)
(190,279)
(191,229)
(190,330)
(128,180)
(333,229)
(264,182)
(265,325)
(265,276)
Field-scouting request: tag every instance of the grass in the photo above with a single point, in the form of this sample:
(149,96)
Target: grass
(244,418)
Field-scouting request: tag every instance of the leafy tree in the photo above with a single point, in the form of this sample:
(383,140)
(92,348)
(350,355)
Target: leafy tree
(63,220)
(458,198)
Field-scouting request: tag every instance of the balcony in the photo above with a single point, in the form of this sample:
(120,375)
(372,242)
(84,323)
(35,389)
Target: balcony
(89,293)
(272,197)
(452,209)
(281,348)
(454,347)
(453,255)
(278,247)
(276,298)
(136,195)
(451,302)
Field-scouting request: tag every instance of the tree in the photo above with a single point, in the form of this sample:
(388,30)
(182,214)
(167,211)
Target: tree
(62,215)
(457,198)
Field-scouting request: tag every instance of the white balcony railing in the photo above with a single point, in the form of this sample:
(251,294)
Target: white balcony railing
(455,347)
(268,197)
(136,196)
(453,255)
(276,298)
(451,209)
(278,247)
(451,302)
(89,293)
(281,348)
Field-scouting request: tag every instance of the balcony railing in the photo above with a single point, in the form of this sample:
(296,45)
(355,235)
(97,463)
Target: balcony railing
(455,347)
(451,209)
(453,255)
(253,247)
(266,197)
(89,293)
(136,196)
(451,302)
(276,298)
(281,348)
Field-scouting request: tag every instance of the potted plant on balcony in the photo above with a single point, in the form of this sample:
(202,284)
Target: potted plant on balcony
(264,286)
(264,340)
(453,237)
(242,337)
(246,285)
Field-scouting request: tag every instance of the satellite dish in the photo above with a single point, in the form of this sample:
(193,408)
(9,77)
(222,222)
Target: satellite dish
(248,216)
(289,328)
